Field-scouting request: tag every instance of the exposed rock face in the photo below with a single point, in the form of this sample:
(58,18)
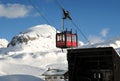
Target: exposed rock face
(20,39)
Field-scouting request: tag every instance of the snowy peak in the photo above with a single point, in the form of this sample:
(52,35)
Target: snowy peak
(114,42)
(32,52)
(37,37)
(40,30)
(3,43)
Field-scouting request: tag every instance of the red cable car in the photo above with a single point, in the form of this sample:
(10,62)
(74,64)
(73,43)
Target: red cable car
(66,39)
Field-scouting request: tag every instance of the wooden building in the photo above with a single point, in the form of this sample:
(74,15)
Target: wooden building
(93,64)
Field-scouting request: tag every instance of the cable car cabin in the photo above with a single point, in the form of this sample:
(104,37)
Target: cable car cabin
(66,39)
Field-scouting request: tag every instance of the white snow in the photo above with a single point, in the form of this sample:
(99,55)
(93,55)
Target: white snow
(29,60)
(19,78)
(114,42)
(54,72)
(32,58)
(3,43)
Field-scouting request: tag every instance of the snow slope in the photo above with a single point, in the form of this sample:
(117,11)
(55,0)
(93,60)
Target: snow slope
(19,78)
(33,51)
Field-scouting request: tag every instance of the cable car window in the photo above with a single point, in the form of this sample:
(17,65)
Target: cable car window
(58,37)
(74,38)
(61,37)
(68,37)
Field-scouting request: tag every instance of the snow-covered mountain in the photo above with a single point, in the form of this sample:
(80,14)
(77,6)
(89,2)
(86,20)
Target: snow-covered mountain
(33,51)
(3,43)
(38,38)
(114,42)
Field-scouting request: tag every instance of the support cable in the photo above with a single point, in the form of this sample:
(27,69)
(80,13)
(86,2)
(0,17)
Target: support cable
(61,7)
(58,4)
(81,31)
(38,10)
(35,7)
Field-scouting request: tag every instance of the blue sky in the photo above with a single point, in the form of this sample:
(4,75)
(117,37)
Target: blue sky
(97,19)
